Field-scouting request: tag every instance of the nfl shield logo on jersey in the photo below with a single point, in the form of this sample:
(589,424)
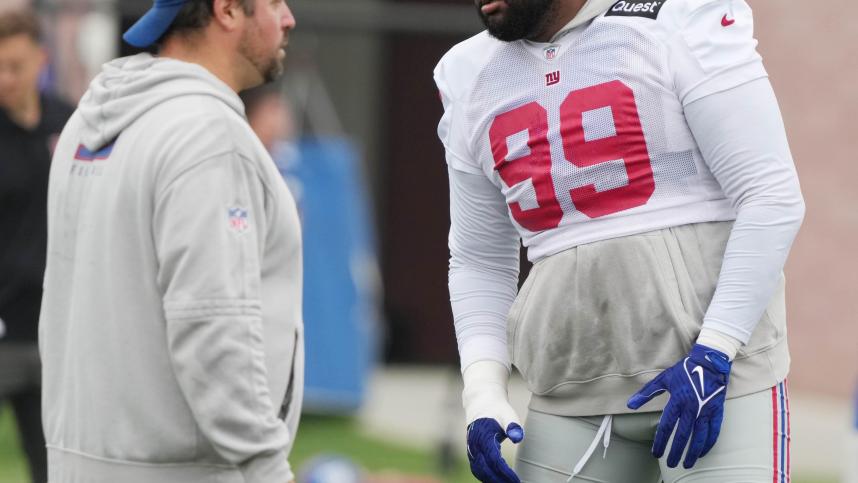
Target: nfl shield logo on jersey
(550,52)
(238,219)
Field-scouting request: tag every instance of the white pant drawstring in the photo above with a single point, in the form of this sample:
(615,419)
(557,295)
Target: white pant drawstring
(604,433)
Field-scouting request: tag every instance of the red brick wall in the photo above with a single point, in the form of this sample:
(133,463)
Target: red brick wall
(811,52)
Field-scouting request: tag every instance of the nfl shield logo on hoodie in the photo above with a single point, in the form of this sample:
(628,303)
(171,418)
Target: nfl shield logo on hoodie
(238,219)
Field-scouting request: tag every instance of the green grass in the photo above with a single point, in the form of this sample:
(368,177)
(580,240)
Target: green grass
(317,435)
(12,467)
(342,436)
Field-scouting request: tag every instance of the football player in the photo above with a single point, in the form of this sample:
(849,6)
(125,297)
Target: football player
(637,150)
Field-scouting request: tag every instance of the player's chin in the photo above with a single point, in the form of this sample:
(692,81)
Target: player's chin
(506,33)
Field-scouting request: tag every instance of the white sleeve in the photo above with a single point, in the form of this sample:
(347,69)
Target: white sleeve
(714,50)
(210,277)
(742,138)
(450,128)
(484,261)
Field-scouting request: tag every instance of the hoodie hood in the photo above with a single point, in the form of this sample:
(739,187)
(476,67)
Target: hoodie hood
(129,87)
(590,10)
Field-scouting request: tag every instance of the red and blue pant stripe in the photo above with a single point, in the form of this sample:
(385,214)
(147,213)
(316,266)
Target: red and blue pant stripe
(780,433)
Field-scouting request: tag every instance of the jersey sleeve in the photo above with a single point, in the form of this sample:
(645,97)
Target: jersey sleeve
(209,274)
(454,75)
(742,138)
(714,49)
(484,261)
(484,244)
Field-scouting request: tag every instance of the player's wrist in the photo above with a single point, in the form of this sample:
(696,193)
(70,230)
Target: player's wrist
(485,393)
(485,402)
(713,360)
(719,341)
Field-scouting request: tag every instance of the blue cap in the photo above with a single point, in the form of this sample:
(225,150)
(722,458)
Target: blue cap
(154,23)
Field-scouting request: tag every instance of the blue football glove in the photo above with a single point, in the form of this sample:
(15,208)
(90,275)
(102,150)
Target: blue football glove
(698,388)
(488,412)
(485,436)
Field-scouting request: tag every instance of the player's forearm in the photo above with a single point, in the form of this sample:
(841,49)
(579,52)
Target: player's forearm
(481,303)
(485,384)
(483,280)
(752,267)
(742,139)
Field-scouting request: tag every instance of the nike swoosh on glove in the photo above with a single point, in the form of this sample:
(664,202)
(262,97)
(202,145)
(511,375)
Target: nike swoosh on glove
(698,388)
(491,420)
(485,436)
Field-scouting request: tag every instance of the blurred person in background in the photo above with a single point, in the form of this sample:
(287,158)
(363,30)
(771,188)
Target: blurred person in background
(30,122)
(340,263)
(270,116)
(171,327)
(637,149)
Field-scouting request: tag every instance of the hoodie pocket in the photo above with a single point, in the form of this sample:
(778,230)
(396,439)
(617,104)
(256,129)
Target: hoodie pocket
(697,252)
(771,329)
(600,310)
(286,404)
(290,409)
(517,308)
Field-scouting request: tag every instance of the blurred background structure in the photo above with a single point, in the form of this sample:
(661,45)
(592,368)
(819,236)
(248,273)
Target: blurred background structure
(364,108)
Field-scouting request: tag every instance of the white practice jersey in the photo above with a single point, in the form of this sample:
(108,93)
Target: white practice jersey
(636,117)
(586,136)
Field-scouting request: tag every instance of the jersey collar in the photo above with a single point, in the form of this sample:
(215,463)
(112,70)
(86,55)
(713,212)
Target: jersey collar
(590,10)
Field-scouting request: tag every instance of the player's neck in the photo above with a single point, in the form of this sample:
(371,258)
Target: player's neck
(566,10)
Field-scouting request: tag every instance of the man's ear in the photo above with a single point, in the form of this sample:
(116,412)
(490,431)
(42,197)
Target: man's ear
(229,14)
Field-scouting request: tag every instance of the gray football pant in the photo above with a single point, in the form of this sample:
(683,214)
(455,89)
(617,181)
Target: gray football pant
(753,447)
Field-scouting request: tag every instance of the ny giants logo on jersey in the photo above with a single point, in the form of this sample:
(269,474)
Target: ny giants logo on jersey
(552,78)
(636,8)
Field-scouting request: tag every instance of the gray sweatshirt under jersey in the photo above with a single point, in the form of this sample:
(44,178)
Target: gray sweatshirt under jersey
(171,329)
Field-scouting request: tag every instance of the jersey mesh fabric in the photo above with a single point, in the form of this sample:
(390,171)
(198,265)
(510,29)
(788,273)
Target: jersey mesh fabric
(603,52)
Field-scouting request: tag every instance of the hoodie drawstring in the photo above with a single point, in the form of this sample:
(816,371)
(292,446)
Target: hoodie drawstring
(604,433)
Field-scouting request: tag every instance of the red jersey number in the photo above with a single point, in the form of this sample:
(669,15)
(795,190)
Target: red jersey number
(535,166)
(628,144)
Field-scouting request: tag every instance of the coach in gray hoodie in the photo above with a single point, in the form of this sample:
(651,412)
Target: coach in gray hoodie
(171,329)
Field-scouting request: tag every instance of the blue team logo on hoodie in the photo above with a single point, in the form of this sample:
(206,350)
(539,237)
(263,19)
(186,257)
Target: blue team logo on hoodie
(88,163)
(84,154)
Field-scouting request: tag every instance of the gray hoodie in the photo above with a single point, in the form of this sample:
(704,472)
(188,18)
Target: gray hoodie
(171,329)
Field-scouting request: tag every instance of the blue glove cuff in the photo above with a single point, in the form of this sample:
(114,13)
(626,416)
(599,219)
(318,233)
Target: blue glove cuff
(711,359)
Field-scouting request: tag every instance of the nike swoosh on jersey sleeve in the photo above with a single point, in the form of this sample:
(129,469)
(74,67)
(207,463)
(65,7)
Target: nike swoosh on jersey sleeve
(707,58)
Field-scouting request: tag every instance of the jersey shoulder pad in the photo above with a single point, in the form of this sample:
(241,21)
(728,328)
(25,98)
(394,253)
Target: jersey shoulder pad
(678,13)
(670,14)
(460,67)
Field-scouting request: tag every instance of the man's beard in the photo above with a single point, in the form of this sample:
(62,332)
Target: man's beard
(268,64)
(273,69)
(522,19)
